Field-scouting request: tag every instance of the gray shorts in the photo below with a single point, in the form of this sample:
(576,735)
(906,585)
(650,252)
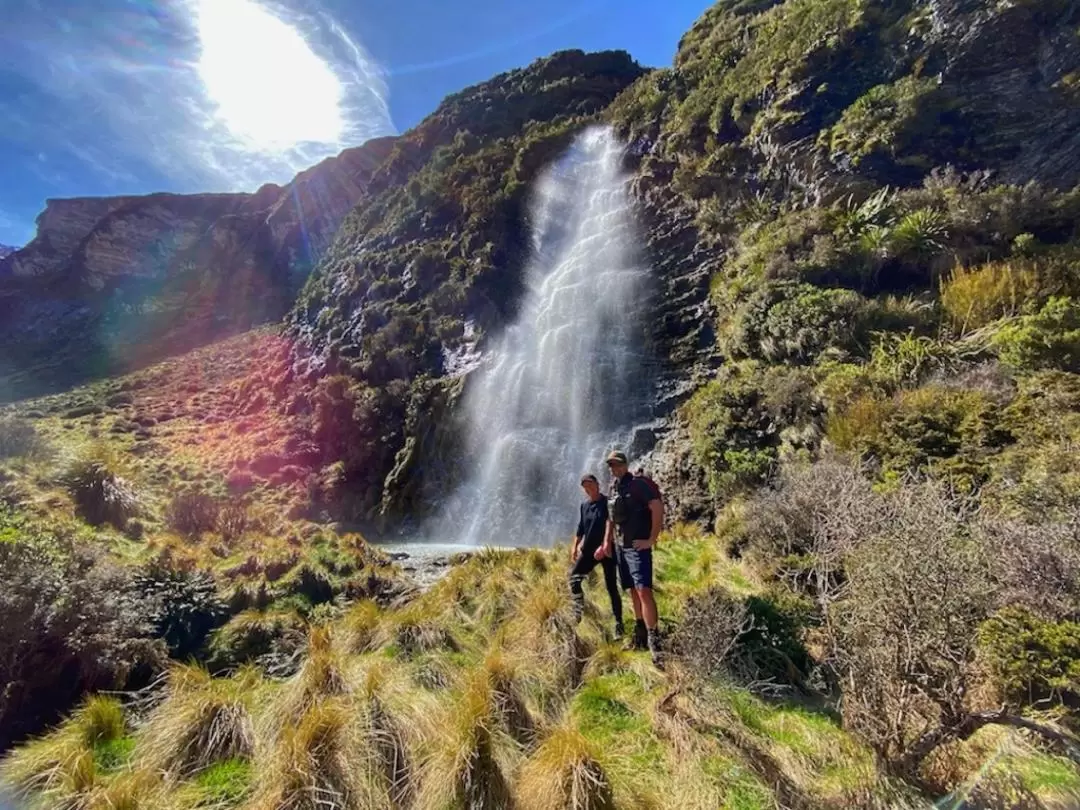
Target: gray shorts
(635,568)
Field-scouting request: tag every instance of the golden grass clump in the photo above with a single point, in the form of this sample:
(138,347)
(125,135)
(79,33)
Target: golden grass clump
(360,627)
(467,762)
(203,720)
(324,674)
(508,693)
(63,766)
(973,297)
(317,763)
(542,635)
(138,790)
(565,774)
(391,726)
(416,628)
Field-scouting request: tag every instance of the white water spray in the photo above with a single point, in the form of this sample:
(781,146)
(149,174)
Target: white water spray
(568,379)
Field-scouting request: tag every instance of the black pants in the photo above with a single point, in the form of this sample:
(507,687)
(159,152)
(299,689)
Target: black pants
(582,568)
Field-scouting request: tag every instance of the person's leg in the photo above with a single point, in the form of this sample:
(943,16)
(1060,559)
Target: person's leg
(643,581)
(637,639)
(578,572)
(611,581)
(648,607)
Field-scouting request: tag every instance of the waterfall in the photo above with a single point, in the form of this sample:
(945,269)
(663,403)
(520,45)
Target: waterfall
(569,378)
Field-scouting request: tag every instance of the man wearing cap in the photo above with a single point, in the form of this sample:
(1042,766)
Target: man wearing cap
(635,519)
(588,552)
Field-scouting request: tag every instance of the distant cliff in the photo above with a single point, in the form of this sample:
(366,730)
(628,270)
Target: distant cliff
(6,250)
(112,283)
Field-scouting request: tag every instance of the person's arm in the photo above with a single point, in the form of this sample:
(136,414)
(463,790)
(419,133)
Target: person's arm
(656,510)
(578,535)
(609,540)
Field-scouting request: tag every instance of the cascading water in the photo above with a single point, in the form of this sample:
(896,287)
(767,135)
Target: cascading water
(569,378)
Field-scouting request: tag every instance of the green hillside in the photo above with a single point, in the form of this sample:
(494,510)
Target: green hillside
(863,220)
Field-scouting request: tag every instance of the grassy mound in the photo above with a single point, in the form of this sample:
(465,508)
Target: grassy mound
(525,710)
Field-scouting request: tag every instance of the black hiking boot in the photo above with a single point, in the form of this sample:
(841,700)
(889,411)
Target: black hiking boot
(655,650)
(620,631)
(638,640)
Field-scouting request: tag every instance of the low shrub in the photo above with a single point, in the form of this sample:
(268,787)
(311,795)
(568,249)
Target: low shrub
(18,438)
(1046,340)
(740,422)
(188,606)
(791,322)
(192,513)
(754,641)
(73,622)
(1033,659)
(101,495)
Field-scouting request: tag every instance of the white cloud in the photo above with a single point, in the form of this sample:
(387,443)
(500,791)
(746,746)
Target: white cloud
(118,88)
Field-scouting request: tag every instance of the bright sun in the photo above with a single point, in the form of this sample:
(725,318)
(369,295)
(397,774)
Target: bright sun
(269,86)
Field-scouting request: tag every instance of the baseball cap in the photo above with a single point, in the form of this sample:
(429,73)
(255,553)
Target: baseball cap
(617,457)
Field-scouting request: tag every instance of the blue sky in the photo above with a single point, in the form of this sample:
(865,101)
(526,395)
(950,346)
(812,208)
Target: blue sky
(132,96)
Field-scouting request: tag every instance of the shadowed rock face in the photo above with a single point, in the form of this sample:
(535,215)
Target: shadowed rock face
(112,283)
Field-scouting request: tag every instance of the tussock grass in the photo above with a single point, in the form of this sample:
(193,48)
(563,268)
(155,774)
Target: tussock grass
(392,726)
(359,627)
(417,628)
(565,774)
(64,766)
(510,695)
(317,763)
(202,721)
(542,635)
(138,790)
(325,673)
(468,763)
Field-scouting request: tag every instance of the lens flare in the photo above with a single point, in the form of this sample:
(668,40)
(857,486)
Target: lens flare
(269,87)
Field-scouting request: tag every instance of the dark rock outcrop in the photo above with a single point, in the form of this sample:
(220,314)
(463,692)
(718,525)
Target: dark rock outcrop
(109,284)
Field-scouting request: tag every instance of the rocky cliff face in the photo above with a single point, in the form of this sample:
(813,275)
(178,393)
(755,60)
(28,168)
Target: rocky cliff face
(774,106)
(769,106)
(6,250)
(111,283)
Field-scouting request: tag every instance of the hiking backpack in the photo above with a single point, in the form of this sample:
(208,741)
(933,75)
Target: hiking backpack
(621,510)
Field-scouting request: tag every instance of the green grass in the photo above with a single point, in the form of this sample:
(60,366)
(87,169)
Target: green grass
(113,755)
(225,783)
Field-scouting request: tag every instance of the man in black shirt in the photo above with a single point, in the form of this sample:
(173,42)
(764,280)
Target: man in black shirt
(589,551)
(636,517)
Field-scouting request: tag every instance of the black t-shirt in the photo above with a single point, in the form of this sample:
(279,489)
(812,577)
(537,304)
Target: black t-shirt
(592,524)
(639,525)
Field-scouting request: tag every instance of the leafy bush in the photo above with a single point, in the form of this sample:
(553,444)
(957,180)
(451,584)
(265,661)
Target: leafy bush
(944,429)
(188,608)
(741,422)
(790,322)
(101,496)
(192,513)
(890,120)
(72,622)
(1048,339)
(1033,659)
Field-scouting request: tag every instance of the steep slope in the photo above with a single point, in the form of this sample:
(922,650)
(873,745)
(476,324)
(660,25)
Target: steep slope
(815,106)
(112,283)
